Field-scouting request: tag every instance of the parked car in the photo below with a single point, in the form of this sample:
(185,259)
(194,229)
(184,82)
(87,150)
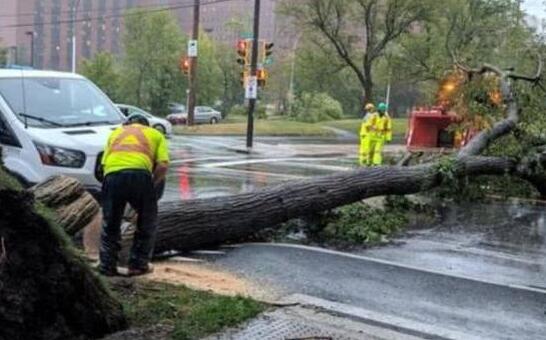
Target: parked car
(177,108)
(54,123)
(203,115)
(160,124)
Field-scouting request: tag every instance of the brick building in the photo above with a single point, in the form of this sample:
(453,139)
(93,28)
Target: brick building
(99,25)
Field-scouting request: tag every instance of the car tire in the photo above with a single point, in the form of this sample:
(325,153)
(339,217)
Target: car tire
(160,128)
(214,120)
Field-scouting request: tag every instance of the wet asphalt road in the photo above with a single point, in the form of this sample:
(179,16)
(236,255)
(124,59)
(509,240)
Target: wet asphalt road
(214,166)
(476,308)
(481,271)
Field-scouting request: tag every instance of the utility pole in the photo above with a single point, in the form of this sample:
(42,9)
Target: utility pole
(31,35)
(253,76)
(192,86)
(74,16)
(388,96)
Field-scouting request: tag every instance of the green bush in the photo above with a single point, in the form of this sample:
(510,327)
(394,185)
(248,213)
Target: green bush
(359,223)
(242,110)
(238,110)
(261,112)
(316,107)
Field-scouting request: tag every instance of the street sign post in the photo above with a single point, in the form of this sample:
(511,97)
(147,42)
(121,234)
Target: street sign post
(251,90)
(192,48)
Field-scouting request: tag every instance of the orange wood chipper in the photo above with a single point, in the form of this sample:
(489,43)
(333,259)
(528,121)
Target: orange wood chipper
(429,128)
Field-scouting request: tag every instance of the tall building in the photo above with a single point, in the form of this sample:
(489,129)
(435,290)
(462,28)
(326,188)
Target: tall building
(48,25)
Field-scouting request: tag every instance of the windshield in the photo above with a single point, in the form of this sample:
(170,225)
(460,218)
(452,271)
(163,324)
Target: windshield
(50,102)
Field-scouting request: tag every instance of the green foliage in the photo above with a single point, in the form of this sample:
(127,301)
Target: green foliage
(446,168)
(232,93)
(103,71)
(193,314)
(261,112)
(209,72)
(317,70)
(153,46)
(238,110)
(316,107)
(361,224)
(356,32)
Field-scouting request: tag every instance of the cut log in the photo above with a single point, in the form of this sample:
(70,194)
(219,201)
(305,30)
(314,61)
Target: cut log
(46,290)
(74,206)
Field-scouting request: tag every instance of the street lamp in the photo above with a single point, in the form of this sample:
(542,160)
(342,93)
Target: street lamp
(31,35)
(74,16)
(292,72)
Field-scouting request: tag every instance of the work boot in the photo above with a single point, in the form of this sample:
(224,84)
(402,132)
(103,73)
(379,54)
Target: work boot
(107,271)
(148,269)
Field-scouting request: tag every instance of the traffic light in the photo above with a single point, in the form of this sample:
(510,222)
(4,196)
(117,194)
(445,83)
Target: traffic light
(244,77)
(185,65)
(261,75)
(243,52)
(267,51)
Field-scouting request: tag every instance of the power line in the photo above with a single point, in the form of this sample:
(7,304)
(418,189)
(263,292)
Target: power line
(111,16)
(82,11)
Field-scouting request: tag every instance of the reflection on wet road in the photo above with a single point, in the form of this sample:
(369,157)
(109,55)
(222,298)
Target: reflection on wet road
(214,166)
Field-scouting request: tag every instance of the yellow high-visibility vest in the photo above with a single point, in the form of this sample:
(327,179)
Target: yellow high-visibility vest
(134,147)
(379,127)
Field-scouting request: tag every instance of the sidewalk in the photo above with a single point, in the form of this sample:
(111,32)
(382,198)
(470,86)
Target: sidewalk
(309,322)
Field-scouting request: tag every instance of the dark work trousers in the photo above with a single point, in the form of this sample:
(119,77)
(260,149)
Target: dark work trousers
(136,188)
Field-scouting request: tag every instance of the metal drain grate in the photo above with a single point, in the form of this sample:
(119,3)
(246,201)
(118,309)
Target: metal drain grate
(272,328)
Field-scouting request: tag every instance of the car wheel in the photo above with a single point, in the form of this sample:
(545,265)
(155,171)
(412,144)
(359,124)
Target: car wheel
(214,120)
(160,128)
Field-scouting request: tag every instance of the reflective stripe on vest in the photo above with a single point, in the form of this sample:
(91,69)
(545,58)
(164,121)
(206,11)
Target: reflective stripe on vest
(142,146)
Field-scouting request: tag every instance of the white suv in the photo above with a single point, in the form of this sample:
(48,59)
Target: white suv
(53,123)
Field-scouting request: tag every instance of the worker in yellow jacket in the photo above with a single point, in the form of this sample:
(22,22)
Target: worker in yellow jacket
(135,163)
(378,131)
(364,135)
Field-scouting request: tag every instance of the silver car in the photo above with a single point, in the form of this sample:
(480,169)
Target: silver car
(206,114)
(203,115)
(160,124)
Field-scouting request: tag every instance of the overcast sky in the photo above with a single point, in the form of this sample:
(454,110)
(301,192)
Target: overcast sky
(535,7)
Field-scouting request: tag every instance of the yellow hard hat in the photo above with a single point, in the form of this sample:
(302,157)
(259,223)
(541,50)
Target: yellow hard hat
(369,107)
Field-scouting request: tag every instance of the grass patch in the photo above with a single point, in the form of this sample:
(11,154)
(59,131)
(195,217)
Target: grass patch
(261,128)
(193,314)
(399,125)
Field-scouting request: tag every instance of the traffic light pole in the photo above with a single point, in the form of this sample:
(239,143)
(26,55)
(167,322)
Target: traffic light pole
(192,81)
(253,73)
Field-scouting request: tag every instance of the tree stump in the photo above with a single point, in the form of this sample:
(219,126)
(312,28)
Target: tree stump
(47,291)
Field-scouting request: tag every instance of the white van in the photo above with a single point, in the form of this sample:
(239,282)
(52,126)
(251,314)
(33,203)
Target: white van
(53,123)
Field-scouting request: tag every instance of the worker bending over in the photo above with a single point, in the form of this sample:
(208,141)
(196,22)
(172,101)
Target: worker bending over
(135,163)
(378,130)
(364,135)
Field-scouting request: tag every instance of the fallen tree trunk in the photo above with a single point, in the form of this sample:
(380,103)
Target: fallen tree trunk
(188,225)
(75,208)
(46,290)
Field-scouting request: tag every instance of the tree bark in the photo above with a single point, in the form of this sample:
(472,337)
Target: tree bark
(46,290)
(75,207)
(199,223)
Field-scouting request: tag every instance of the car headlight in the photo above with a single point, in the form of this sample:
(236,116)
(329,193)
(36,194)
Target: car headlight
(56,156)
